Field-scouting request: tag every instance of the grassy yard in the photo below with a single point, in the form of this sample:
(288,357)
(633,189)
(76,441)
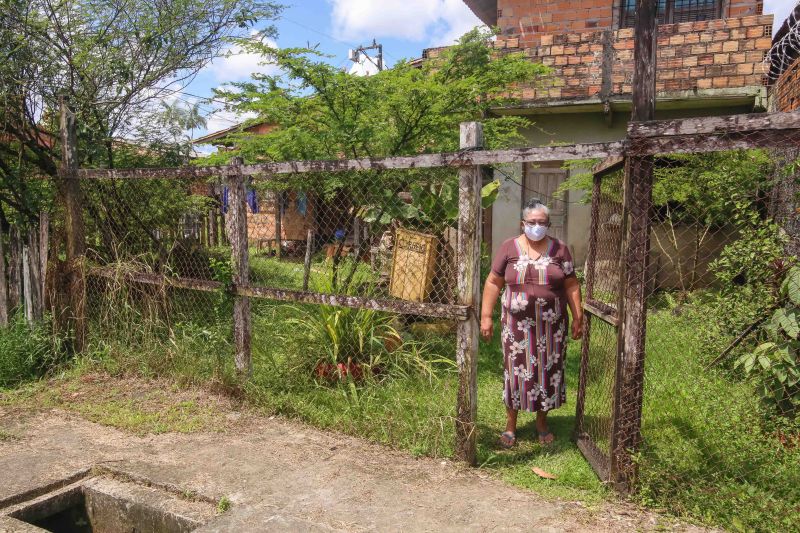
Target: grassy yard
(707,454)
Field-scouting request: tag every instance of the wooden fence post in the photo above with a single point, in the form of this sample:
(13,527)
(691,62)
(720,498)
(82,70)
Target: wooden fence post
(307,262)
(70,192)
(14,269)
(278,224)
(629,384)
(469,268)
(3,285)
(236,226)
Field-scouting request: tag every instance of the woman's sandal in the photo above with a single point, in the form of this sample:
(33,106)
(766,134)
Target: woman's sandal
(543,438)
(507,439)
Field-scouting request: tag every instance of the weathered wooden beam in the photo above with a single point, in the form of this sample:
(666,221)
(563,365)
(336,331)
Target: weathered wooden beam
(702,143)
(150,278)
(307,261)
(603,311)
(72,200)
(450,159)
(278,224)
(3,285)
(468,294)
(454,312)
(714,125)
(608,165)
(596,457)
(14,269)
(632,303)
(236,226)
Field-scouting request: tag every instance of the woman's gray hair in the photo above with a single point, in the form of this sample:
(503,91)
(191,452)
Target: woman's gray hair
(534,204)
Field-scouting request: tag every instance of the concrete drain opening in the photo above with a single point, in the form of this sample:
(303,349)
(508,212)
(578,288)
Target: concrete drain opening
(106,505)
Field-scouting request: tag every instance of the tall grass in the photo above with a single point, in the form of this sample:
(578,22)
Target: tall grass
(709,452)
(27,351)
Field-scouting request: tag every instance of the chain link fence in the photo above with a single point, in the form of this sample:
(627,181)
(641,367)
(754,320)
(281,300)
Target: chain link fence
(159,256)
(713,398)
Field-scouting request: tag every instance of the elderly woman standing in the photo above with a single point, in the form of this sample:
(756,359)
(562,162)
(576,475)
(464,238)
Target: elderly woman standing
(539,279)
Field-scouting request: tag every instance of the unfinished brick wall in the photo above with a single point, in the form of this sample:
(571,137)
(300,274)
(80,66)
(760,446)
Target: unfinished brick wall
(525,18)
(786,91)
(715,54)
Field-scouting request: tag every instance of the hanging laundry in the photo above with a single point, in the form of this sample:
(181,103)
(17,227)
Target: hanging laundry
(302,203)
(252,200)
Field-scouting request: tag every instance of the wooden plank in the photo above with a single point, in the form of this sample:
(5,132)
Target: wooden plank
(454,312)
(71,198)
(236,226)
(44,247)
(26,285)
(603,311)
(151,278)
(448,159)
(3,285)
(714,143)
(608,165)
(714,125)
(14,269)
(34,271)
(307,261)
(468,288)
(632,305)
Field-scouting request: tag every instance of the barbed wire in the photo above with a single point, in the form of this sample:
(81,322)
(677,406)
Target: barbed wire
(785,50)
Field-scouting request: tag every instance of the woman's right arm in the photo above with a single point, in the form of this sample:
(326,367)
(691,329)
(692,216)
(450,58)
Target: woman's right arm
(491,290)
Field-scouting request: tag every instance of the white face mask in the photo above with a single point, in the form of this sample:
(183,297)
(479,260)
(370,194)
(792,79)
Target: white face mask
(536,232)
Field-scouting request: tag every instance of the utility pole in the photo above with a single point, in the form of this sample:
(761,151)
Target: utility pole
(355,55)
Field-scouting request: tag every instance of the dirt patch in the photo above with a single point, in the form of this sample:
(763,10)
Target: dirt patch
(277,474)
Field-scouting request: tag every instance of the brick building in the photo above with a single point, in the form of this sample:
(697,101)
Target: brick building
(709,62)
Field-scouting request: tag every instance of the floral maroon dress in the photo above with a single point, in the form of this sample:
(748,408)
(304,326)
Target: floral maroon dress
(535,324)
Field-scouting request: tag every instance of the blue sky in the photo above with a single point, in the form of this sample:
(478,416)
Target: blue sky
(404,27)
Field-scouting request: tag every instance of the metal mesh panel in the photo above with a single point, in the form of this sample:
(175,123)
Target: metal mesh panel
(159,258)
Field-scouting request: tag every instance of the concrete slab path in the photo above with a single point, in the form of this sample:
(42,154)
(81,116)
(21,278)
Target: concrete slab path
(284,476)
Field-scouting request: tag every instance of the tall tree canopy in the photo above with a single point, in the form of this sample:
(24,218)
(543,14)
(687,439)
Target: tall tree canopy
(110,59)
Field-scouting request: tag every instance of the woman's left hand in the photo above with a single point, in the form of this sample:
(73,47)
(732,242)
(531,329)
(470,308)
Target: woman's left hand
(577,328)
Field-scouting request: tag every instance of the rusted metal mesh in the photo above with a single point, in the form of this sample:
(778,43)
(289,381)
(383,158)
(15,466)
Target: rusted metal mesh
(708,381)
(159,251)
(385,235)
(598,351)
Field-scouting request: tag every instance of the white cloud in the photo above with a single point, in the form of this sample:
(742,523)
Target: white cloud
(436,22)
(237,65)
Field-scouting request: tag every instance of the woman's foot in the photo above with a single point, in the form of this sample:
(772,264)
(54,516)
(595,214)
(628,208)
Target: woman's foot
(545,437)
(508,439)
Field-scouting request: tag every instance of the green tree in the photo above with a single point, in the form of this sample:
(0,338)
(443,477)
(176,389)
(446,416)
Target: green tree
(111,59)
(322,112)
